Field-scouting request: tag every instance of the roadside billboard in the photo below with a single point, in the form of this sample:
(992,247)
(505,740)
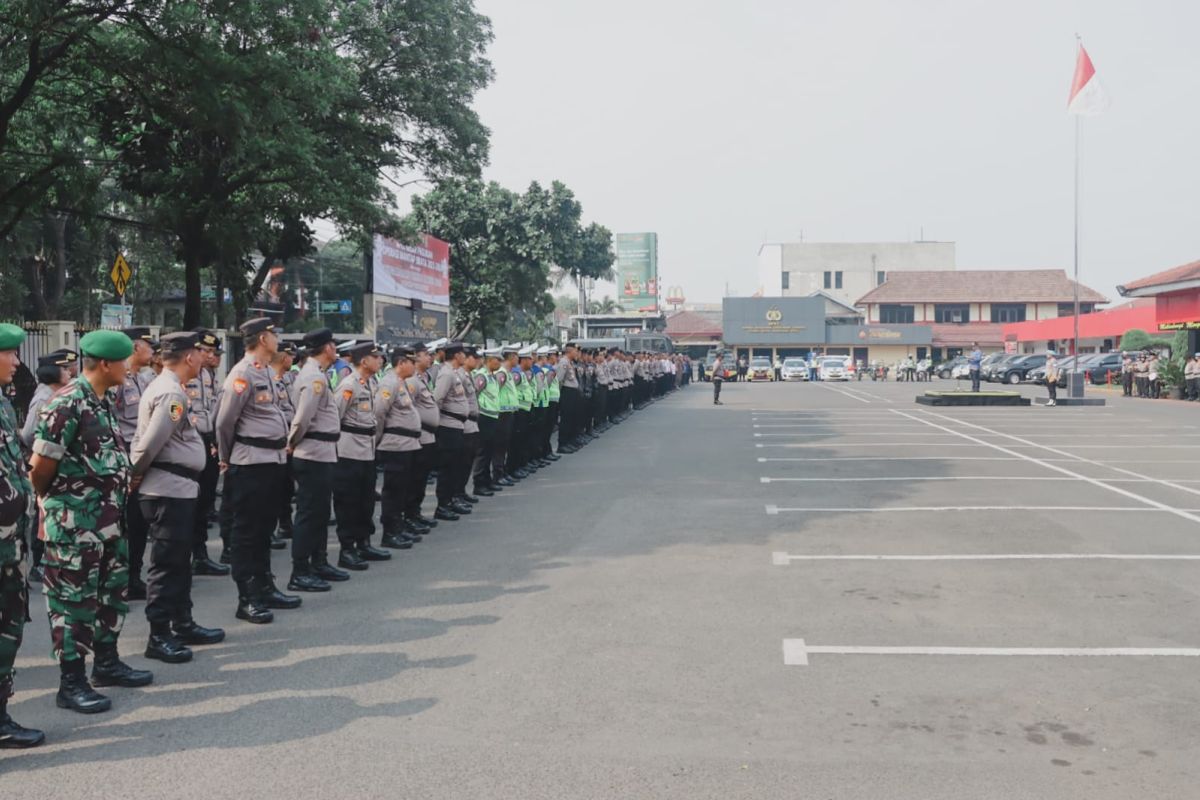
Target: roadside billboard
(637,270)
(411,272)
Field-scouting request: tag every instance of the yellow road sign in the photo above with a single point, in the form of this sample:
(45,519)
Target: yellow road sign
(121,273)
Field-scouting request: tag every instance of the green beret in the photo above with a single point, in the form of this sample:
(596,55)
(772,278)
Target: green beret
(106,345)
(11,336)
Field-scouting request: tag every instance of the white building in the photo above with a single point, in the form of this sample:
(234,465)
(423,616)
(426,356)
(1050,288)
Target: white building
(843,270)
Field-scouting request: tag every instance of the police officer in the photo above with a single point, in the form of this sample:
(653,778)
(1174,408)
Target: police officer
(487,392)
(553,400)
(281,368)
(471,361)
(126,407)
(568,381)
(252,447)
(354,475)
(1191,375)
(312,441)
(81,471)
(16,524)
(420,388)
(202,396)
(522,381)
(450,395)
(509,405)
(438,349)
(398,427)
(168,458)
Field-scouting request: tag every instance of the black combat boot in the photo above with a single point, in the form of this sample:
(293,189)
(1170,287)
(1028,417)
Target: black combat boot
(250,606)
(12,735)
(277,543)
(417,525)
(188,632)
(203,565)
(137,589)
(273,598)
(368,553)
(303,580)
(469,498)
(396,540)
(349,558)
(110,670)
(445,513)
(414,533)
(460,507)
(326,571)
(163,646)
(75,693)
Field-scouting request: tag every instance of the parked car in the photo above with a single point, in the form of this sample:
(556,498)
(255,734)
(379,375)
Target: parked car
(946,368)
(836,368)
(761,370)
(995,370)
(794,369)
(729,363)
(1100,369)
(1065,365)
(1015,371)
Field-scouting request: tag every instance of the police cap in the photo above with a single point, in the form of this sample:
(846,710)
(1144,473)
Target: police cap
(363,349)
(257,325)
(142,333)
(177,343)
(315,340)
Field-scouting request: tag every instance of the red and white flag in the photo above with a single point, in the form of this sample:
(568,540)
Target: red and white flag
(1087,95)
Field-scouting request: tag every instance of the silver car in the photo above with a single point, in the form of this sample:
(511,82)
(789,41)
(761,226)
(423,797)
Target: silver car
(794,369)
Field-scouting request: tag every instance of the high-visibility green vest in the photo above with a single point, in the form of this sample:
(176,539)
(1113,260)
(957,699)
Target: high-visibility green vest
(508,391)
(553,389)
(525,391)
(489,395)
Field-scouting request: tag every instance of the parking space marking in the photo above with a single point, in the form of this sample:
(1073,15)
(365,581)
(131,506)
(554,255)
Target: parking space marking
(797,651)
(774,509)
(831,433)
(844,393)
(829,424)
(900,478)
(1094,481)
(1081,459)
(893,458)
(867,444)
(779,559)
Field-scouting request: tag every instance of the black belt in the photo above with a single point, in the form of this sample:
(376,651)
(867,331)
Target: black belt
(472,416)
(452,415)
(403,432)
(425,426)
(176,469)
(358,429)
(258,441)
(323,436)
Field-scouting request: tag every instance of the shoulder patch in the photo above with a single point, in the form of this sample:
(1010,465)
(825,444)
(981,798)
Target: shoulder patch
(240,385)
(318,387)
(385,394)
(480,383)
(347,394)
(175,410)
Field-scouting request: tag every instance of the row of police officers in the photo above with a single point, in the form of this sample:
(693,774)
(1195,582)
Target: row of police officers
(122,456)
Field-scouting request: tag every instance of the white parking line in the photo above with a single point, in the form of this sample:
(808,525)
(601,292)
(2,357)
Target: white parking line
(903,478)
(834,433)
(868,444)
(842,392)
(797,651)
(783,559)
(895,458)
(774,509)
(1094,481)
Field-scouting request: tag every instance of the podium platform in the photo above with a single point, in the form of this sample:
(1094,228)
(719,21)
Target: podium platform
(973,399)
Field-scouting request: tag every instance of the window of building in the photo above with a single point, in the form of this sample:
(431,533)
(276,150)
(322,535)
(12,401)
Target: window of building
(828,279)
(880,277)
(1068,309)
(786,280)
(1008,312)
(895,315)
(837,279)
(952,312)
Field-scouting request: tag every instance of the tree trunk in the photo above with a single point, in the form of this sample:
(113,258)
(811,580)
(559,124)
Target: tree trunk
(219,295)
(191,286)
(54,292)
(35,278)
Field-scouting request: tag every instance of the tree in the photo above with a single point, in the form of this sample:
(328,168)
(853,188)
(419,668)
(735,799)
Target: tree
(1138,339)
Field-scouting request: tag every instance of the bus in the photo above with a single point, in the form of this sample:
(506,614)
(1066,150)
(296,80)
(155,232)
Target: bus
(640,342)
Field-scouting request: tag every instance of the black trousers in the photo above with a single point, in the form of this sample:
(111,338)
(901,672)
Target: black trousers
(584,414)
(504,430)
(397,476)
(207,499)
(169,579)
(450,459)
(354,500)
(310,530)
(600,406)
(252,491)
(483,457)
(518,446)
(225,513)
(974,380)
(136,531)
(285,501)
(466,461)
(717,390)
(548,427)
(1052,389)
(1193,388)
(424,461)
(1127,383)
(567,425)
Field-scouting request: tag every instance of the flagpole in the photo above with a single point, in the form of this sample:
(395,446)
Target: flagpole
(1071,389)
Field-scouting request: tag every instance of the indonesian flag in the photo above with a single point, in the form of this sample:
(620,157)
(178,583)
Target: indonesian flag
(1088,97)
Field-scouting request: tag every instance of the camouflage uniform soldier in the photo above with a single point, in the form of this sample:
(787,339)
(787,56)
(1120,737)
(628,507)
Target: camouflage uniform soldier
(81,471)
(16,505)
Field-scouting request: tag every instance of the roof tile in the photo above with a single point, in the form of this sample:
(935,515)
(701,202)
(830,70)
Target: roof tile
(980,286)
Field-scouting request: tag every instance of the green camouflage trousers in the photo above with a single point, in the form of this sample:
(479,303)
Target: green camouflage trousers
(85,585)
(14,613)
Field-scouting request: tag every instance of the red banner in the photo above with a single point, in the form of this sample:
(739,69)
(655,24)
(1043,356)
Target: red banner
(412,272)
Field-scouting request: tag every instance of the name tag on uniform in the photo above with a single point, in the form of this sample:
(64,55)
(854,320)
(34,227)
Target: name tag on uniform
(365,405)
(262,397)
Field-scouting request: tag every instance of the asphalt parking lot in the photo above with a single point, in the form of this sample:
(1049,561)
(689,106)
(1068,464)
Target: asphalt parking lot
(812,591)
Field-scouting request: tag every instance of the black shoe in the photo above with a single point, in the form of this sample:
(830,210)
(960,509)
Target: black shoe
(110,670)
(307,582)
(445,513)
(459,507)
(483,491)
(428,523)
(416,526)
(328,572)
(350,559)
(520,473)
(285,529)
(189,632)
(467,498)
(277,543)
(565,450)
(505,481)
(414,534)
(224,557)
(75,693)
(136,591)
(396,541)
(206,566)
(271,597)
(35,576)
(252,610)
(165,647)
(15,737)
(369,553)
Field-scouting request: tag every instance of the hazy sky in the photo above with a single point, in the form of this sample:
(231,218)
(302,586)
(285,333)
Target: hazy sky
(722,125)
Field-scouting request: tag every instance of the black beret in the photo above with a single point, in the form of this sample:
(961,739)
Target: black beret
(138,333)
(257,325)
(174,343)
(288,348)
(314,340)
(363,349)
(452,348)
(206,338)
